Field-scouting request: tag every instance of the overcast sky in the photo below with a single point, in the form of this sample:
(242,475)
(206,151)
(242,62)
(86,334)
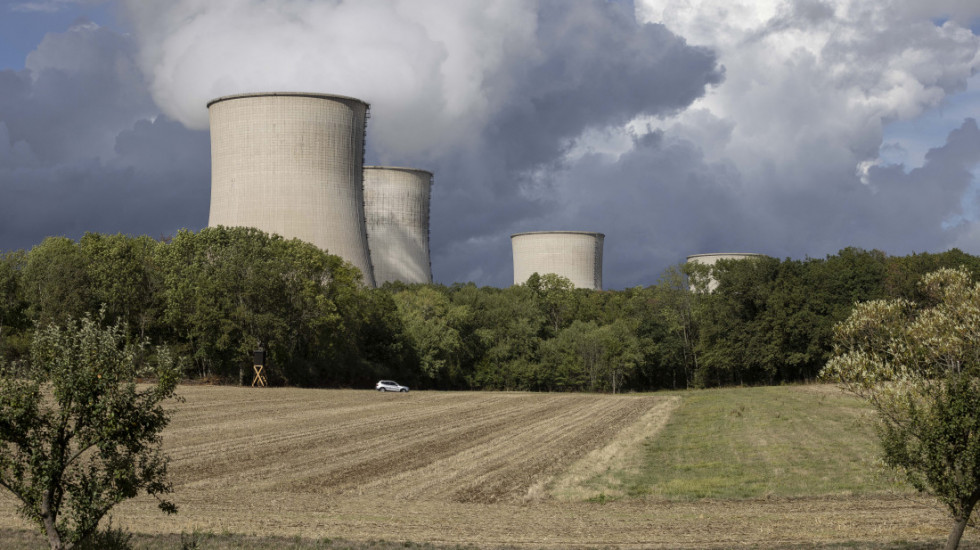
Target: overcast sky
(791,128)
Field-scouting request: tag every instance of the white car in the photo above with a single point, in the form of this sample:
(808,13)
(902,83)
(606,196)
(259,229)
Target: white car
(390,385)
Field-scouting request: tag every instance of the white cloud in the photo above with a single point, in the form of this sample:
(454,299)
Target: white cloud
(811,83)
(48,6)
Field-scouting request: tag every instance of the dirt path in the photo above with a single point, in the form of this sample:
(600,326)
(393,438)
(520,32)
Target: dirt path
(625,524)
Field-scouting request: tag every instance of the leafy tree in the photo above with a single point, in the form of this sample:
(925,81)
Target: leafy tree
(735,344)
(383,344)
(597,358)
(227,289)
(432,326)
(790,320)
(124,277)
(506,339)
(77,436)
(904,272)
(919,367)
(666,316)
(55,282)
(623,352)
(11,299)
(577,353)
(555,295)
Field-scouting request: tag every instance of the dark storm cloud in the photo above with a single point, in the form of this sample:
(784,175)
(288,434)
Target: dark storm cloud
(909,211)
(656,204)
(158,185)
(662,201)
(77,90)
(756,168)
(79,150)
(82,147)
(898,210)
(596,67)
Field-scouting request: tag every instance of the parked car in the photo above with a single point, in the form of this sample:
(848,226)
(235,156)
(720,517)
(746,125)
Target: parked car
(390,385)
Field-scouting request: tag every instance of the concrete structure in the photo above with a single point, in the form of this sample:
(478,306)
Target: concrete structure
(292,164)
(576,255)
(711,259)
(396,210)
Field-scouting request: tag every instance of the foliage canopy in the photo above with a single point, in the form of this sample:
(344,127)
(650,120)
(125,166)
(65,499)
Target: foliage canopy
(919,367)
(77,435)
(214,295)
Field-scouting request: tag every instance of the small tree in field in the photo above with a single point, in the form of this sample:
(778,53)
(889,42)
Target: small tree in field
(919,367)
(77,436)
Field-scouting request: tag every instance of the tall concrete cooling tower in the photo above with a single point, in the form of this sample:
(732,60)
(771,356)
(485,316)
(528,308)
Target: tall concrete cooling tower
(711,259)
(292,164)
(576,255)
(396,208)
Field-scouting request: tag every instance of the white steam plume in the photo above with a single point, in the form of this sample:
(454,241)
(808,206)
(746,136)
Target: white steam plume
(433,71)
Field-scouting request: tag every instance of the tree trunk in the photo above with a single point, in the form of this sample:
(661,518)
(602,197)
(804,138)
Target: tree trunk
(47,517)
(960,521)
(959,525)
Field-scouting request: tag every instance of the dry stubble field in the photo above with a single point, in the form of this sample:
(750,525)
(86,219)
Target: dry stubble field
(479,468)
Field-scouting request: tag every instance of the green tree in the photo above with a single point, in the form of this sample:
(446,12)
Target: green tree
(665,314)
(227,289)
(555,295)
(11,300)
(622,352)
(55,282)
(588,356)
(124,277)
(506,339)
(735,345)
(432,326)
(576,354)
(77,436)
(919,367)
(790,320)
(383,344)
(904,272)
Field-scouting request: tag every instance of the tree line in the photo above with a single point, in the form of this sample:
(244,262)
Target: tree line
(215,295)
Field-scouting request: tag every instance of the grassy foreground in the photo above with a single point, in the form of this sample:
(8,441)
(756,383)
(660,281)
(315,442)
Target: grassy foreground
(749,443)
(764,442)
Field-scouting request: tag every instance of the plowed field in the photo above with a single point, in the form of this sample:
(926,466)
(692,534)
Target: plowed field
(459,467)
(472,447)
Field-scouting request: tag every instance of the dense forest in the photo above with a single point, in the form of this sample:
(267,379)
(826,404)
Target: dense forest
(215,295)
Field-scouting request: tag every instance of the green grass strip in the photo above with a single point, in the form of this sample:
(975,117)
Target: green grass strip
(761,442)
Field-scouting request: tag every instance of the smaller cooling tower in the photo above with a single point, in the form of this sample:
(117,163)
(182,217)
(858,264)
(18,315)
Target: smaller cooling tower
(576,255)
(292,164)
(396,210)
(711,259)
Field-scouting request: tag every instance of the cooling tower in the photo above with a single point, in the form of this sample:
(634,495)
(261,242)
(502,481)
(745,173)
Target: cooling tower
(292,164)
(576,255)
(396,210)
(710,259)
